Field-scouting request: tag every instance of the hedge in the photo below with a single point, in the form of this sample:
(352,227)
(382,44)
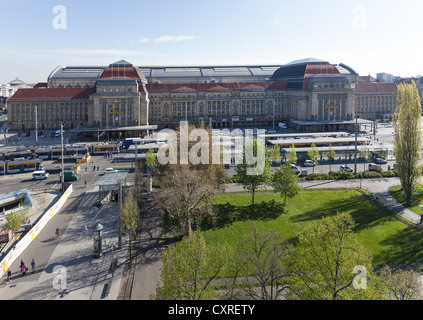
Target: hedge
(342,175)
(338,175)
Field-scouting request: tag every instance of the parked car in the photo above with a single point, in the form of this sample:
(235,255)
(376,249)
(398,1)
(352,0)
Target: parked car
(346,169)
(380,161)
(309,163)
(40,175)
(295,169)
(109,170)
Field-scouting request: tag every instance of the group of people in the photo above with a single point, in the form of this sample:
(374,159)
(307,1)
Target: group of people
(23,269)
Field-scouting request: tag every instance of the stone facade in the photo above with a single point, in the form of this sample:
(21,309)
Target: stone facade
(309,95)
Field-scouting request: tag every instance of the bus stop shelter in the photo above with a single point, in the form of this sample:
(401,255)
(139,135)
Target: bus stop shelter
(109,185)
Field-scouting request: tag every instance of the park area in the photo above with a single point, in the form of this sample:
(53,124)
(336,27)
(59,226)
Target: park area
(416,200)
(390,241)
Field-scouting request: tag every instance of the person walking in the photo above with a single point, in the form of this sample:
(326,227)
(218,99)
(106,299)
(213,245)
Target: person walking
(23,269)
(57,231)
(33,265)
(9,275)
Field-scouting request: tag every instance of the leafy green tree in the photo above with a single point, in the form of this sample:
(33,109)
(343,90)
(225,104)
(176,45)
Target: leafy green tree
(330,154)
(291,155)
(129,219)
(275,153)
(407,138)
(150,161)
(150,158)
(313,153)
(256,175)
(190,269)
(285,182)
(14,220)
(326,260)
(367,155)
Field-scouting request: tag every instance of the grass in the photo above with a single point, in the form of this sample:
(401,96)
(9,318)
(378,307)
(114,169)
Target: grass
(397,194)
(390,241)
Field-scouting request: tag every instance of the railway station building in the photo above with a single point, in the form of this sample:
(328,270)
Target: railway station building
(125,100)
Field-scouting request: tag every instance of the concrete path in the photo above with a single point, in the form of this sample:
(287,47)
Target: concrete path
(66,269)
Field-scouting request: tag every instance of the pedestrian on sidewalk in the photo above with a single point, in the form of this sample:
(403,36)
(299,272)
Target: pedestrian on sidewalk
(9,275)
(23,269)
(85,182)
(421,219)
(33,265)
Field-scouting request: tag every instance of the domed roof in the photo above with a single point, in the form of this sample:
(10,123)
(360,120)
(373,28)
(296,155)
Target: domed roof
(16,82)
(306,61)
(122,70)
(297,72)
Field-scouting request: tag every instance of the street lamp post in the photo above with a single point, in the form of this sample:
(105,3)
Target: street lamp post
(355,151)
(62,178)
(374,118)
(36,125)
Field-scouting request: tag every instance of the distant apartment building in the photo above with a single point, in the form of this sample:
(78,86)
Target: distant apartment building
(384,77)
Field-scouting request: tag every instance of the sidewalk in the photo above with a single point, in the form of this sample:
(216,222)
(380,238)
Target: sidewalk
(83,277)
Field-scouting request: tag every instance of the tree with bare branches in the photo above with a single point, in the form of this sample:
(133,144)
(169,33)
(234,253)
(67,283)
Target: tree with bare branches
(261,270)
(187,188)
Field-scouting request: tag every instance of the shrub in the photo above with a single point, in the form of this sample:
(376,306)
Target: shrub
(234,179)
(371,174)
(378,170)
(320,176)
(388,174)
(343,175)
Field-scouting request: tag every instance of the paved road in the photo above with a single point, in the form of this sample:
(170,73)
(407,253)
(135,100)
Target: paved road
(84,278)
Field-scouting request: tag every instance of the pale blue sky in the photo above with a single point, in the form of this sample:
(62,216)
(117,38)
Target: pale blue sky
(369,36)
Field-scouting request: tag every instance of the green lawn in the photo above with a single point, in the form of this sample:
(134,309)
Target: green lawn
(397,194)
(390,241)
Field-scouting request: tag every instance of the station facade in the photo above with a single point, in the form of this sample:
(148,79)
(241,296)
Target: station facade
(308,95)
